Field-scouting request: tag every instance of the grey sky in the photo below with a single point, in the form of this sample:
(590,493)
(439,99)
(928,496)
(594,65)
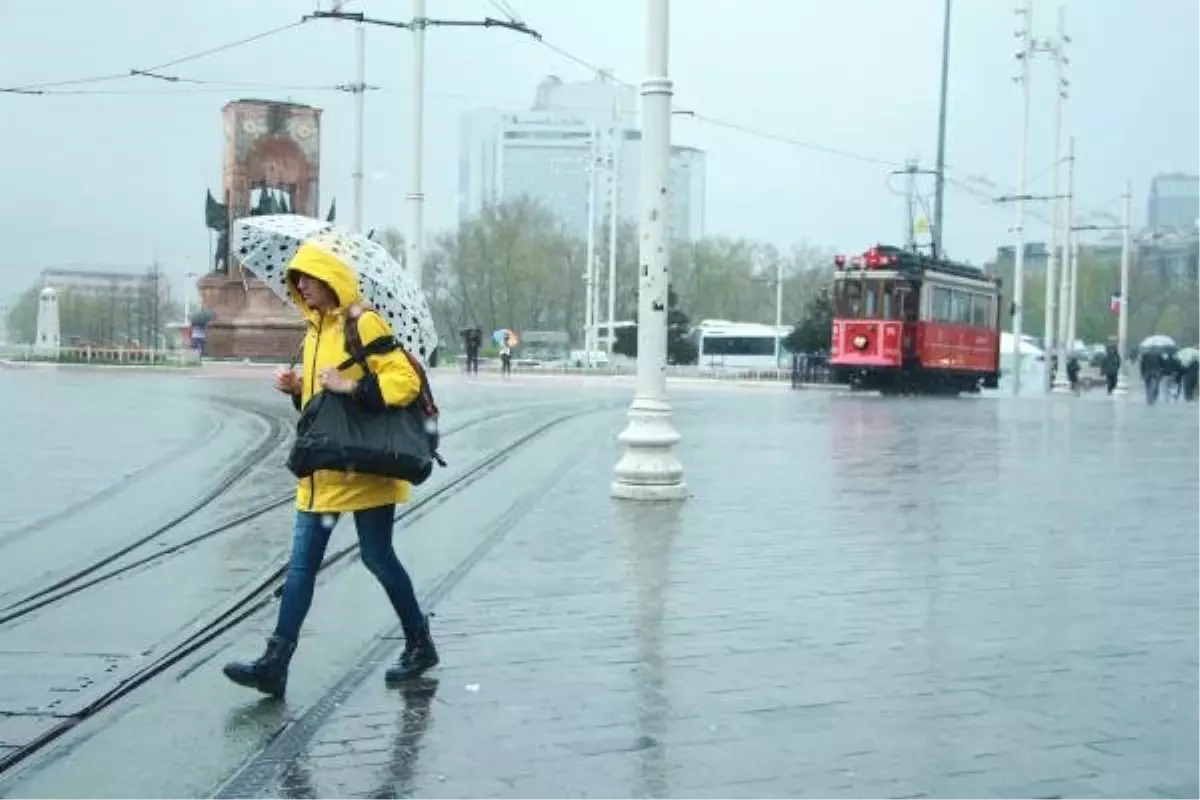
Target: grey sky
(118,179)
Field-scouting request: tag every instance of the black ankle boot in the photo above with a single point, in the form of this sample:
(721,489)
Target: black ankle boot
(269,672)
(419,656)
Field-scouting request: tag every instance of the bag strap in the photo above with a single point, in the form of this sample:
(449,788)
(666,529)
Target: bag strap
(384,344)
(354,346)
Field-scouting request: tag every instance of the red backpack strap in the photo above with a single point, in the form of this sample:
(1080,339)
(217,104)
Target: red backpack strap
(425,396)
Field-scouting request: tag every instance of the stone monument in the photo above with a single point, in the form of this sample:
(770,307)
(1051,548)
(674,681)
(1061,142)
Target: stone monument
(48,339)
(272,165)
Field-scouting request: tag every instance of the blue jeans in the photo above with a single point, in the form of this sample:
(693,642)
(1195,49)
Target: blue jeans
(309,540)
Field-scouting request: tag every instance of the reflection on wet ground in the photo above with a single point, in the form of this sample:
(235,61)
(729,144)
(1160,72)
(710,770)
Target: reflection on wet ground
(863,597)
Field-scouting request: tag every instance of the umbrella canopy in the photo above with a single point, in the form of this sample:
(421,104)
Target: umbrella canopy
(266,244)
(1188,355)
(1157,342)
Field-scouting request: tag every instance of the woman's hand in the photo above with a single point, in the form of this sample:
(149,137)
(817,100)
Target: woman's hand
(288,382)
(333,381)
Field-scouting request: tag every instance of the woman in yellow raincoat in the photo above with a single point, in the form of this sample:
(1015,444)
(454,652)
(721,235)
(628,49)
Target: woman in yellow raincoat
(326,290)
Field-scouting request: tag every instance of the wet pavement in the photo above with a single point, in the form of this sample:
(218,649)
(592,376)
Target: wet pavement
(864,597)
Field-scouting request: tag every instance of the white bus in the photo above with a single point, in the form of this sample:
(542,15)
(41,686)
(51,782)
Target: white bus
(739,345)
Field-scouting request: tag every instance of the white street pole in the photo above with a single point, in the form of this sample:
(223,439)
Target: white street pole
(614,219)
(649,468)
(778,304)
(589,280)
(940,167)
(189,278)
(1049,339)
(1072,332)
(1123,315)
(360,91)
(1018,295)
(1061,384)
(416,195)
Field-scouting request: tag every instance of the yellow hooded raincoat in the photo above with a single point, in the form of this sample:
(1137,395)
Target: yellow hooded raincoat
(328,491)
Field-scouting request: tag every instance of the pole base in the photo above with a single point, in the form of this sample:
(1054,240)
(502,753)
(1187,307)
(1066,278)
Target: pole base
(649,469)
(1122,386)
(1061,386)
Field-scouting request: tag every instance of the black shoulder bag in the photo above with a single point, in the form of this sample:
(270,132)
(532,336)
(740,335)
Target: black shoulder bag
(339,432)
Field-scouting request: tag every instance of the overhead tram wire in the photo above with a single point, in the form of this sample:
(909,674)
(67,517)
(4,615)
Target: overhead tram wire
(962,185)
(507,10)
(722,123)
(982,196)
(42,87)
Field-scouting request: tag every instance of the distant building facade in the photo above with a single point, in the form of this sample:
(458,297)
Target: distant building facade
(545,153)
(1037,254)
(107,284)
(1174,203)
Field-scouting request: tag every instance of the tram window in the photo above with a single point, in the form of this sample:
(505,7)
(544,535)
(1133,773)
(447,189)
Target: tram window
(960,307)
(981,310)
(870,295)
(941,304)
(848,298)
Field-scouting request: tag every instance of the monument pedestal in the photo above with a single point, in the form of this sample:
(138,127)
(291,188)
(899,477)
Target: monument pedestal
(248,320)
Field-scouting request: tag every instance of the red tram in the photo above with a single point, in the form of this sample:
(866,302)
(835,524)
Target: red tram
(906,323)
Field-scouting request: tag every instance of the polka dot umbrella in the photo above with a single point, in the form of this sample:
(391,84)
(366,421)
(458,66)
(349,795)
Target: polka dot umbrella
(265,246)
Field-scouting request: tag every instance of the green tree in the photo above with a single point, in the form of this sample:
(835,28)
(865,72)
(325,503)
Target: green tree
(681,349)
(512,266)
(22,317)
(813,332)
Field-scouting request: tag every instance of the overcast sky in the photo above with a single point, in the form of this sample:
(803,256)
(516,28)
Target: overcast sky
(117,179)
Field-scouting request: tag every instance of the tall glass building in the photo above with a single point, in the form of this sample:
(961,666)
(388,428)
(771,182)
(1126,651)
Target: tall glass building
(545,153)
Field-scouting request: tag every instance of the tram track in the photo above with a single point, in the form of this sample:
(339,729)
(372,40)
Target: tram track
(276,432)
(258,593)
(91,575)
(210,431)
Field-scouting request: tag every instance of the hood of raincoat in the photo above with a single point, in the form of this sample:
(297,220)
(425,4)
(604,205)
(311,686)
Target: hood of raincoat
(315,262)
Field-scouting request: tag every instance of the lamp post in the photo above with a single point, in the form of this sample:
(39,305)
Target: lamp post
(1061,384)
(589,275)
(940,170)
(359,89)
(1018,295)
(1122,386)
(416,194)
(649,468)
(1049,338)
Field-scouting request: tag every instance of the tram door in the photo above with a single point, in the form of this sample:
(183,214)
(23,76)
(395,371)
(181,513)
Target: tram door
(907,299)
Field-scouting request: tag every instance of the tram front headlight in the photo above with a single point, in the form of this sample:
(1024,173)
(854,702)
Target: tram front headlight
(860,342)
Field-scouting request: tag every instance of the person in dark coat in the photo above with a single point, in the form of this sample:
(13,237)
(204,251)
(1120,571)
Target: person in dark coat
(1191,380)
(1111,366)
(1173,374)
(1151,367)
(1073,372)
(473,341)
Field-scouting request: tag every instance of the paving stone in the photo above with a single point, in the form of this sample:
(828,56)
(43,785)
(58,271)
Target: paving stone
(864,597)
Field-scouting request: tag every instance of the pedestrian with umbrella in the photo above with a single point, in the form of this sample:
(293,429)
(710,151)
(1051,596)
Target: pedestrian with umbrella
(1154,351)
(325,273)
(507,341)
(1189,360)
